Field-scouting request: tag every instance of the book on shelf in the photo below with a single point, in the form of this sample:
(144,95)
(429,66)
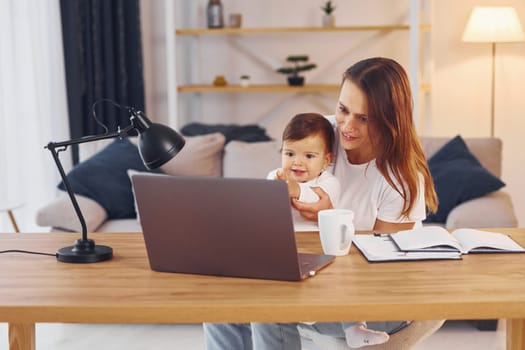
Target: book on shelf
(433,243)
(462,240)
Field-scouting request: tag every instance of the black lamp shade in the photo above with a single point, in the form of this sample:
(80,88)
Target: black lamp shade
(158,144)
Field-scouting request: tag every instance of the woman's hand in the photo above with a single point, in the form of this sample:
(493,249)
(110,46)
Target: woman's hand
(309,210)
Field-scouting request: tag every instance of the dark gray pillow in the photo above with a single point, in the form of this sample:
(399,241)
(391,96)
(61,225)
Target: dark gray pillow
(104,178)
(458,177)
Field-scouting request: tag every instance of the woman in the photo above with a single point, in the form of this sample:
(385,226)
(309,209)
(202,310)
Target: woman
(384,179)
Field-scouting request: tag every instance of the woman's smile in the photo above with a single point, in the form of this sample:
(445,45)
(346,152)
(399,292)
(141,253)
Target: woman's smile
(348,137)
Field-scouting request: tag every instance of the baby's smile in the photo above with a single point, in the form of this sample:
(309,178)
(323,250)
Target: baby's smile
(298,172)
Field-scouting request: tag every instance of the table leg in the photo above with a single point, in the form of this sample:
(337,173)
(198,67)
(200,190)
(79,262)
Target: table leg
(22,336)
(515,334)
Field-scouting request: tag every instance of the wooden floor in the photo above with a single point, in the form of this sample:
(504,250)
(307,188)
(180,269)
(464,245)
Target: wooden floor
(453,335)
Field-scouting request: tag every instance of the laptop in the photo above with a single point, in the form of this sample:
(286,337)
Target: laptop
(222,227)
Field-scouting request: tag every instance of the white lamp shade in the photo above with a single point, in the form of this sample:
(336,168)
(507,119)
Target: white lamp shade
(493,24)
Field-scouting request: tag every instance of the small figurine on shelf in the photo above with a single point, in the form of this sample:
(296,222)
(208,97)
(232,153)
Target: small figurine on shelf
(235,20)
(245,80)
(220,81)
(214,14)
(328,18)
(294,78)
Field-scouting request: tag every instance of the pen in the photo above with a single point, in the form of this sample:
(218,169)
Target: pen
(380,234)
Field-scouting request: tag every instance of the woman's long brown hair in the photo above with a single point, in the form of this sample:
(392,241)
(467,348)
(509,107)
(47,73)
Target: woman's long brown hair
(396,145)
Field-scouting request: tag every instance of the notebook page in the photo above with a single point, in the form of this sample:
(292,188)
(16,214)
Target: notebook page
(472,239)
(426,238)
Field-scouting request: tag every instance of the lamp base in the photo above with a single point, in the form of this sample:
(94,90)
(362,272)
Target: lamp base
(84,251)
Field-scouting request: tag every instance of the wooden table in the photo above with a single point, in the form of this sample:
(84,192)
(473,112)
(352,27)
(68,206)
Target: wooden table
(35,288)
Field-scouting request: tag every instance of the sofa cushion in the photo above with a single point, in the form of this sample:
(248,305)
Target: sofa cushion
(486,149)
(60,214)
(458,177)
(201,156)
(251,160)
(103,178)
(231,132)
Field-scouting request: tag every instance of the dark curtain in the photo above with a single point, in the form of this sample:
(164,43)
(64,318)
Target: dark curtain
(103,60)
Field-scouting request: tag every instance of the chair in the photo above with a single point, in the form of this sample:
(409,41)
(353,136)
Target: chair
(406,338)
(9,207)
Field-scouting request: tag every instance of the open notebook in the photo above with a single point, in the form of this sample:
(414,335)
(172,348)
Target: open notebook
(433,243)
(463,240)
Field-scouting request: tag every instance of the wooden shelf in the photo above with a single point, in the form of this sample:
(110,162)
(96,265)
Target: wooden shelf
(260,88)
(308,88)
(226,31)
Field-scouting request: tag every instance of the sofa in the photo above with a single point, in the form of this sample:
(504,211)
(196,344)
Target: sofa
(210,155)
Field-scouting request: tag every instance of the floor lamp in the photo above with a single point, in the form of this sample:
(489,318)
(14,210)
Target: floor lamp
(493,24)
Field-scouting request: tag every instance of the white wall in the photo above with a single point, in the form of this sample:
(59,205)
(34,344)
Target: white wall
(461,89)
(460,97)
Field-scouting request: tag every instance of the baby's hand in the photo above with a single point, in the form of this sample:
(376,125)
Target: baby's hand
(294,190)
(280,175)
(293,187)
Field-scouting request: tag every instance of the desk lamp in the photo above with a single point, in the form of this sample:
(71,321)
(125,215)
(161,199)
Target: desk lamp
(157,145)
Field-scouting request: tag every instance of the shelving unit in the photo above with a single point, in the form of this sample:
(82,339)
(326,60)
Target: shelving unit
(414,28)
(282,30)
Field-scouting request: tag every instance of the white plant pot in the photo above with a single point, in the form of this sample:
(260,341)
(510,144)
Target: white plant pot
(245,82)
(328,21)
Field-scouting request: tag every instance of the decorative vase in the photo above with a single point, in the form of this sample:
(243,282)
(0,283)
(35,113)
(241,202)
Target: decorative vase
(214,14)
(328,21)
(296,81)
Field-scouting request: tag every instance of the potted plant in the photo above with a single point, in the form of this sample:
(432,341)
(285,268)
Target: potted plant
(245,80)
(299,65)
(328,18)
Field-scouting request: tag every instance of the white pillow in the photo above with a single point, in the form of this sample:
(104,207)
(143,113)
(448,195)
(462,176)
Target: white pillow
(61,214)
(201,156)
(251,159)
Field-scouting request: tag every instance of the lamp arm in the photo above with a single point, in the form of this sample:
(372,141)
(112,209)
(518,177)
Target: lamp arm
(52,146)
(119,133)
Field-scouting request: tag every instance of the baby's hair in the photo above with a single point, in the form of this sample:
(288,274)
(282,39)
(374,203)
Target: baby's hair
(310,124)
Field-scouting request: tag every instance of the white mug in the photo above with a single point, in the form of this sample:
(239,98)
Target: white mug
(336,230)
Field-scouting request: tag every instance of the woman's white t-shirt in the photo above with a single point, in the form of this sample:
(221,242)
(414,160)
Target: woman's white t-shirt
(366,192)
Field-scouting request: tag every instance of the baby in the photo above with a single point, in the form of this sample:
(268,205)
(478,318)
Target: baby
(306,154)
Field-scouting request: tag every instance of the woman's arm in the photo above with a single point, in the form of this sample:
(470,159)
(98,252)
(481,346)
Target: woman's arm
(309,210)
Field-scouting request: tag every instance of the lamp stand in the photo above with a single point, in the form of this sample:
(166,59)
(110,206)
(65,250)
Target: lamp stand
(493,89)
(157,145)
(84,250)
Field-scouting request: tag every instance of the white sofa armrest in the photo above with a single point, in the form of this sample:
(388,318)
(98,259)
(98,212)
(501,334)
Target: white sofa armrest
(492,210)
(61,214)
